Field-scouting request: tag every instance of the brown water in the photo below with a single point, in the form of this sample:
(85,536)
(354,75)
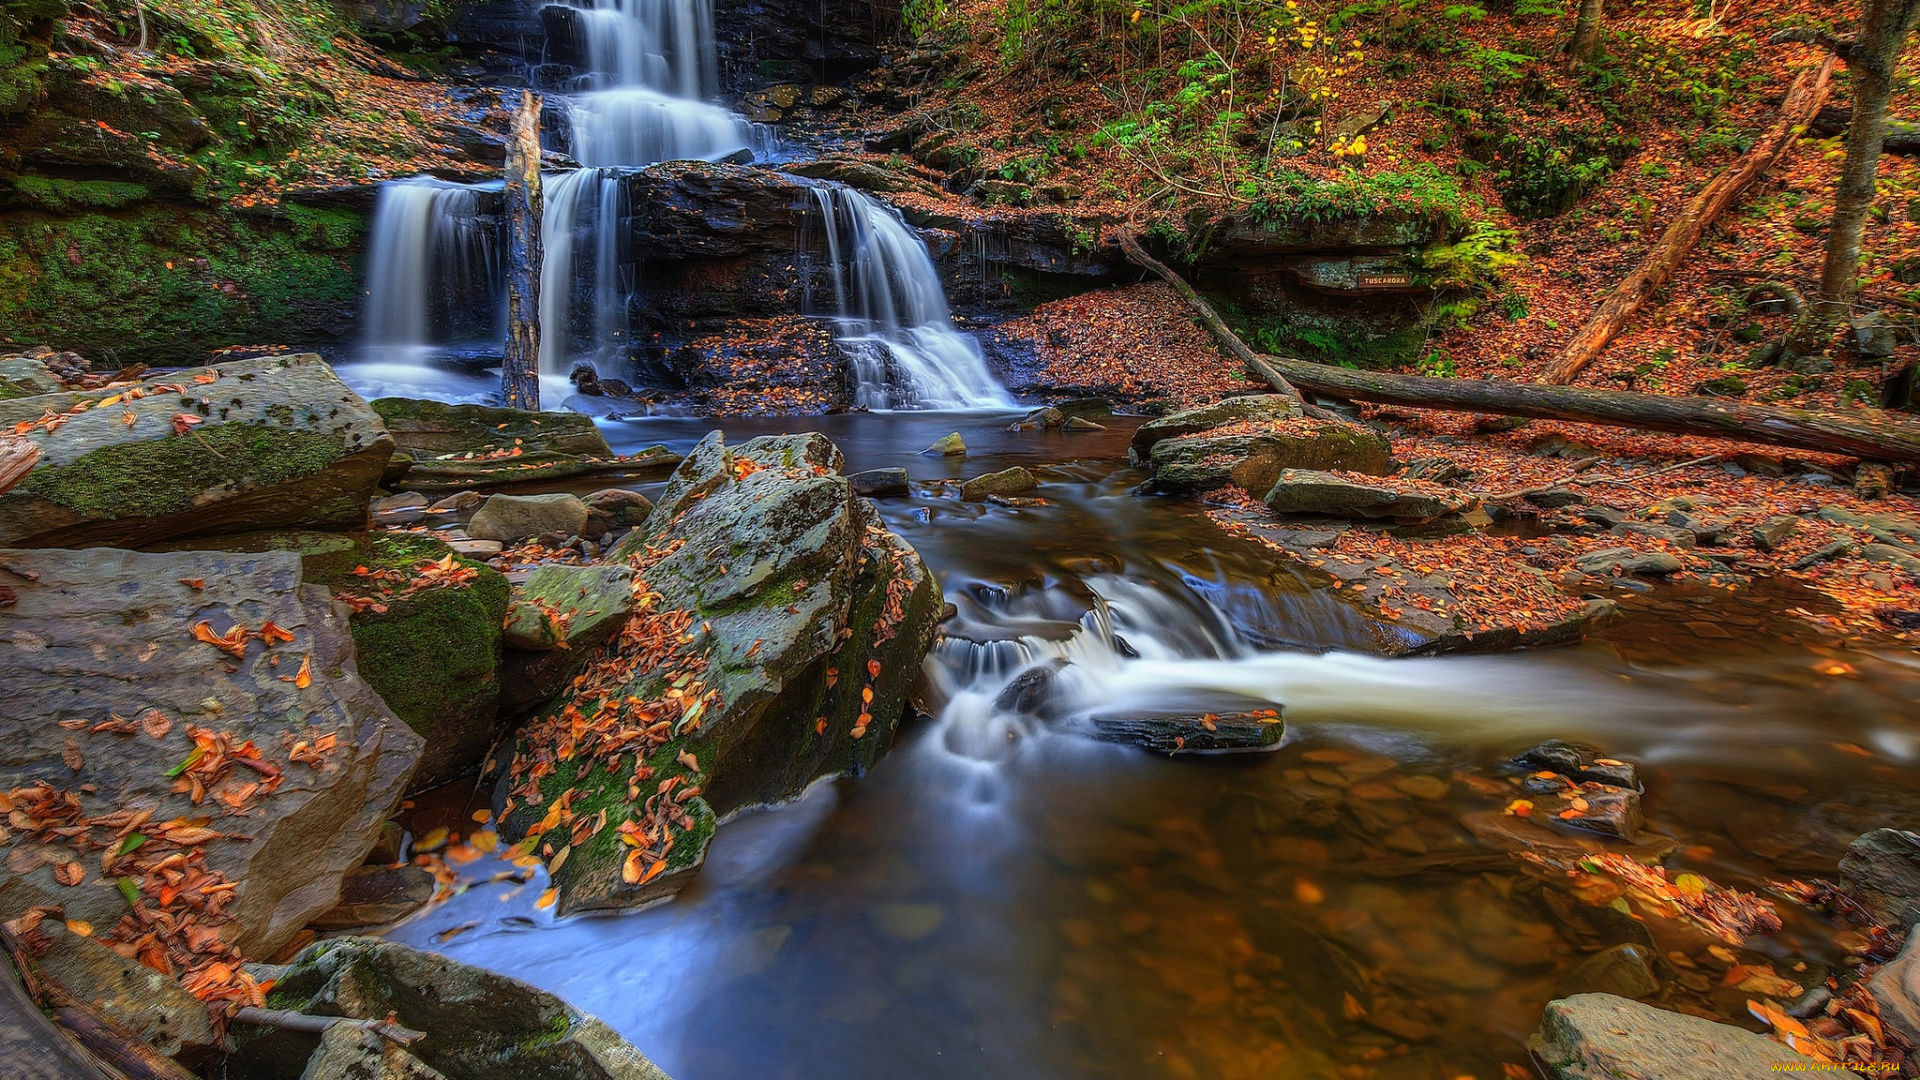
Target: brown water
(1002,898)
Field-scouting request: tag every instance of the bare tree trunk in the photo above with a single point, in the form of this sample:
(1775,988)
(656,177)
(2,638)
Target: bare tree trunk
(1860,434)
(520,373)
(1210,318)
(1803,101)
(1586,32)
(1871,58)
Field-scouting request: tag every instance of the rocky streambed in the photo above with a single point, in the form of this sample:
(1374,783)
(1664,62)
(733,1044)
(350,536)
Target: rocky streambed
(248,613)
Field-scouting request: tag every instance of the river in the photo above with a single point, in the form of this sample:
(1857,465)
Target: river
(1002,897)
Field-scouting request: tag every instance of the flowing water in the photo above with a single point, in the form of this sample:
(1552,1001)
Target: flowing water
(429,250)
(1002,897)
(892,314)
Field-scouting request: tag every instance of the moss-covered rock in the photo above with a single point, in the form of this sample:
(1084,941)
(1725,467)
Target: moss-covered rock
(1254,458)
(1234,410)
(479,1025)
(428,429)
(163,282)
(432,653)
(807,621)
(277,442)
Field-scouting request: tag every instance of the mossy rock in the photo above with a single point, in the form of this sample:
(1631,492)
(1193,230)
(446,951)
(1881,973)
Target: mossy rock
(804,601)
(428,429)
(434,657)
(479,1025)
(277,442)
(1234,410)
(435,477)
(1255,461)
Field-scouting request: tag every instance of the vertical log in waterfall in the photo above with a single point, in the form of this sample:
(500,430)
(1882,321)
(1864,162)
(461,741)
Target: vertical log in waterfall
(520,374)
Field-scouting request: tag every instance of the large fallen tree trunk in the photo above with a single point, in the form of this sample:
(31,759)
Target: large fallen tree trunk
(1803,101)
(1903,136)
(1858,434)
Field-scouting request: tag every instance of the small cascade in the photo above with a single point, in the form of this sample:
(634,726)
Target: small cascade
(431,252)
(638,126)
(892,313)
(589,205)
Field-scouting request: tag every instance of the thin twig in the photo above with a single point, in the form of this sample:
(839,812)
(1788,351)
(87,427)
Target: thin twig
(288,1020)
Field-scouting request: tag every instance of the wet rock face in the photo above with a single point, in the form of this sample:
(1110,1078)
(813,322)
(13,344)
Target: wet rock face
(807,624)
(478,1025)
(765,41)
(1255,461)
(1603,1037)
(103,632)
(278,442)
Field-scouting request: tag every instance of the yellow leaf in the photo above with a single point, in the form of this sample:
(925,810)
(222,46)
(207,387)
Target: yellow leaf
(80,926)
(547,898)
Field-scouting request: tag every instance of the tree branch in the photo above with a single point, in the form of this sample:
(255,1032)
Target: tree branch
(1838,46)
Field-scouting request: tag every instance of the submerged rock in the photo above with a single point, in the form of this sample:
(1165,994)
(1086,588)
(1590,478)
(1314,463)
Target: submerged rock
(1624,970)
(277,442)
(377,896)
(101,633)
(1604,1037)
(622,507)
(1012,481)
(478,1025)
(806,622)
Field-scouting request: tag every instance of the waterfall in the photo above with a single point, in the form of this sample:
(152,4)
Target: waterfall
(589,203)
(428,248)
(639,126)
(892,313)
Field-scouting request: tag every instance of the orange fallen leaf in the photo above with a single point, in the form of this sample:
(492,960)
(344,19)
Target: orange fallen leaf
(547,898)
(273,634)
(234,641)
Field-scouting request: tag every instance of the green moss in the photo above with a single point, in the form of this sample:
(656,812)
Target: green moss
(166,476)
(434,656)
(63,195)
(164,283)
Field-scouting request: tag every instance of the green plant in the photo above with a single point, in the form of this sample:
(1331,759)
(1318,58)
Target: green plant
(1475,261)
(1439,365)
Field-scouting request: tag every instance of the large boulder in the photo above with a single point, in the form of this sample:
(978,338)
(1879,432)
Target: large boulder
(512,518)
(478,1025)
(149,683)
(143,1002)
(1309,491)
(1253,455)
(277,442)
(1603,1037)
(426,631)
(778,627)
(1896,991)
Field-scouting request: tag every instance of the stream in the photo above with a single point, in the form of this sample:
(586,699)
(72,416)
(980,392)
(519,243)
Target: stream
(1004,897)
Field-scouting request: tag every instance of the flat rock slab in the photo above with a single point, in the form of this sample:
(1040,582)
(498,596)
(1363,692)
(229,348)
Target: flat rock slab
(427,429)
(276,442)
(102,632)
(1309,491)
(1263,407)
(436,477)
(1896,990)
(1254,460)
(1006,482)
(1603,1037)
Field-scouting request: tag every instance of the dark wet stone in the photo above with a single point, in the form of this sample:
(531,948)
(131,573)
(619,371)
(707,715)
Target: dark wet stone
(879,482)
(1224,733)
(1882,870)
(1623,970)
(1031,691)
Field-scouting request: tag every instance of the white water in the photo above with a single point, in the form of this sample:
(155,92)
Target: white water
(590,204)
(424,233)
(890,308)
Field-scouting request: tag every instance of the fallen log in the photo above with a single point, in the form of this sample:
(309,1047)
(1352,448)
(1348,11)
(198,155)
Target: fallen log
(1866,433)
(1215,325)
(1809,91)
(1903,136)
